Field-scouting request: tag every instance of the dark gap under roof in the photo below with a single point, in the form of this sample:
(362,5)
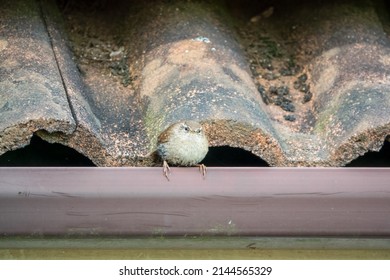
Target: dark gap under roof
(41,153)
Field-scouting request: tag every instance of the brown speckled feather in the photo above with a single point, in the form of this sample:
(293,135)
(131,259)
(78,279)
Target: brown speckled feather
(164,136)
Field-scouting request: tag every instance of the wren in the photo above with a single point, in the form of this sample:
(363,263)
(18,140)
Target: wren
(184,144)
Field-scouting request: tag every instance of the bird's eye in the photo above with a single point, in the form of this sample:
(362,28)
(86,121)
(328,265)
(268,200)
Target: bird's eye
(186,128)
(199,130)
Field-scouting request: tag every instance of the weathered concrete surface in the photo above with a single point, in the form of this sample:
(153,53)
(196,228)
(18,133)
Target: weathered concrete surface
(140,67)
(90,133)
(343,50)
(32,96)
(109,117)
(199,72)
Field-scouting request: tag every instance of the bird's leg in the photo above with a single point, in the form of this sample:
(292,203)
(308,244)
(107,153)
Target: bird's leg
(166,169)
(202,169)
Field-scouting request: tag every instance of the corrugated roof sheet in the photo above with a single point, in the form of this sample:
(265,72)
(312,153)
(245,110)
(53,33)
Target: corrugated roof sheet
(298,85)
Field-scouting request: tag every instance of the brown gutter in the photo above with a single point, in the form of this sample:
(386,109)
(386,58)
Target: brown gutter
(230,201)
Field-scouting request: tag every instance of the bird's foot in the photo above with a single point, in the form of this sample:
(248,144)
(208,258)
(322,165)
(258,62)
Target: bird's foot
(202,169)
(166,169)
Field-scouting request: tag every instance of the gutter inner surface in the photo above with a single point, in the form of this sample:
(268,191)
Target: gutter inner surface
(297,84)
